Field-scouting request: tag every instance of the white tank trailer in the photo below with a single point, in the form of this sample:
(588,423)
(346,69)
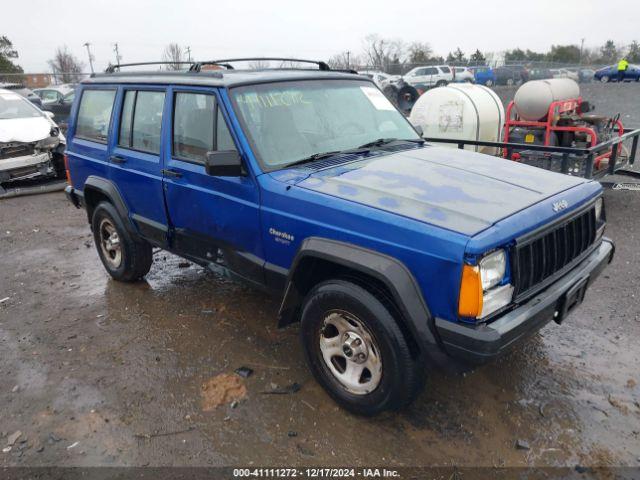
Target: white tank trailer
(461,112)
(533,99)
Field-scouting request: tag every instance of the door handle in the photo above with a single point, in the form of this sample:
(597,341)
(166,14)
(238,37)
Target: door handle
(118,159)
(171,173)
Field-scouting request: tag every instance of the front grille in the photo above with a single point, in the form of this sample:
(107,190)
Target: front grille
(13,150)
(538,259)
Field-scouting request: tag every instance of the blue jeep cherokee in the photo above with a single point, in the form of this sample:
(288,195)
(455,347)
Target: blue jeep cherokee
(392,253)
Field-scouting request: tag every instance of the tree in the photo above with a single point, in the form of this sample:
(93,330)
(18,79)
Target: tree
(174,54)
(383,53)
(633,55)
(420,52)
(343,61)
(608,52)
(66,66)
(564,54)
(477,58)
(456,57)
(7,52)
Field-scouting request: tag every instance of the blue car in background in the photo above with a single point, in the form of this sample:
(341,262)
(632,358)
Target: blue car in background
(610,74)
(484,76)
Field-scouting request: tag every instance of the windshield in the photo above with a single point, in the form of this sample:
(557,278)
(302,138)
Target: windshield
(290,121)
(13,105)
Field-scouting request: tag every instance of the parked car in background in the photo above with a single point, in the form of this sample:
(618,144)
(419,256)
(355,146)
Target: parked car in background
(564,73)
(506,76)
(585,75)
(610,74)
(431,76)
(382,79)
(540,74)
(30,142)
(24,91)
(484,76)
(58,101)
(463,74)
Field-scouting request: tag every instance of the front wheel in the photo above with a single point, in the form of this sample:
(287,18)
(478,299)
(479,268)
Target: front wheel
(356,350)
(124,257)
(441,83)
(604,79)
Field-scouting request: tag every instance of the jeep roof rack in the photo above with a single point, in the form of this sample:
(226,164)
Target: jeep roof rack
(227,61)
(195,67)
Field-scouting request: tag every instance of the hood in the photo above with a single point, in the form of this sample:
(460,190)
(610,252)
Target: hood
(462,191)
(25,130)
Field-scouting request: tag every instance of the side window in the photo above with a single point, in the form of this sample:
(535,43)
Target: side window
(94,114)
(430,71)
(193,125)
(141,121)
(224,141)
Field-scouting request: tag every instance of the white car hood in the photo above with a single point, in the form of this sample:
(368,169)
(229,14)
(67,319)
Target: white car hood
(24,129)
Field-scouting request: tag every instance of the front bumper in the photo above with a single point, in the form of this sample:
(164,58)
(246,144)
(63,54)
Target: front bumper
(481,343)
(18,168)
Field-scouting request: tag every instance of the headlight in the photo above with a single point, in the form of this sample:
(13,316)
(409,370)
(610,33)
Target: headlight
(600,210)
(481,292)
(492,269)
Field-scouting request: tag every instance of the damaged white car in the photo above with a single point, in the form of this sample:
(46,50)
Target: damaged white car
(30,142)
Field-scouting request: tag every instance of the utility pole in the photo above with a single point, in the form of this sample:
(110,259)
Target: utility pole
(87,44)
(348,57)
(115,49)
(581,50)
(188,49)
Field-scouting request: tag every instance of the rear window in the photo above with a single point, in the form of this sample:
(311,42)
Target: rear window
(94,114)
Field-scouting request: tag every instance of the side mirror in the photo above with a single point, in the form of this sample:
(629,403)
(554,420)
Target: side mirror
(223,163)
(49,114)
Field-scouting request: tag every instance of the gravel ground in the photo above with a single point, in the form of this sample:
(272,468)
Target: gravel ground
(95,372)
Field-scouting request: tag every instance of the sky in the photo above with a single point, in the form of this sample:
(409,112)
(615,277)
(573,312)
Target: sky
(299,28)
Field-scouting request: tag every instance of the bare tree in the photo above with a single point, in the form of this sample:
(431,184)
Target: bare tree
(258,64)
(174,54)
(384,53)
(344,61)
(66,66)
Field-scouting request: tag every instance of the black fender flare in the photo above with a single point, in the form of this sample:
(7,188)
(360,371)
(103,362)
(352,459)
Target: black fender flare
(109,190)
(388,270)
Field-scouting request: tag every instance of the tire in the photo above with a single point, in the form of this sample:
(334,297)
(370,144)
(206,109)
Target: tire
(341,324)
(510,82)
(125,258)
(441,83)
(489,83)
(604,79)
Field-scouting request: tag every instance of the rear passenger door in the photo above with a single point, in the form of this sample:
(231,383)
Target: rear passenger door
(213,217)
(135,159)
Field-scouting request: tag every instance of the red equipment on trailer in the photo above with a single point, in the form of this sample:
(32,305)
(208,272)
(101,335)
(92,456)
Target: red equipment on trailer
(566,124)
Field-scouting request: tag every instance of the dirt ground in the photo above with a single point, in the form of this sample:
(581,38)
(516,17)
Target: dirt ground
(94,372)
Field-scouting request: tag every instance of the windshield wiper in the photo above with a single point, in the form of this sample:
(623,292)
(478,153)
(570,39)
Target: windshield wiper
(314,157)
(385,141)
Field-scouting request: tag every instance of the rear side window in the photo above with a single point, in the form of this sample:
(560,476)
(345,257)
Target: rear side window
(445,69)
(141,122)
(197,128)
(94,114)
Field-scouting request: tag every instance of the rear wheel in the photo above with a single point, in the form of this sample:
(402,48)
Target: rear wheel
(125,258)
(489,83)
(441,83)
(356,350)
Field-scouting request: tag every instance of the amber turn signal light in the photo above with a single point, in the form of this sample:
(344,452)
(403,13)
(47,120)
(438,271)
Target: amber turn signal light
(470,301)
